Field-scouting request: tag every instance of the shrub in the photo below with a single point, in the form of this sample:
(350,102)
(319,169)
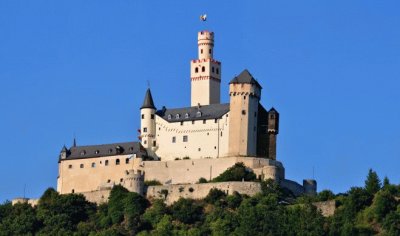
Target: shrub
(202,180)
(238,172)
(152,182)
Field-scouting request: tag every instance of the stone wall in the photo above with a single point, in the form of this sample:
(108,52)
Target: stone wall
(32,202)
(327,208)
(172,193)
(98,197)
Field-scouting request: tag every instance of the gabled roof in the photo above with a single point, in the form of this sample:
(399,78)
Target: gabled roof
(148,101)
(114,149)
(245,78)
(213,111)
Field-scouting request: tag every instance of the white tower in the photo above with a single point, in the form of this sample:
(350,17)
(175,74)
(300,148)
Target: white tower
(205,73)
(148,123)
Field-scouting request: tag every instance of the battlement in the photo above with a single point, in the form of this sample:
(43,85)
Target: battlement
(205,37)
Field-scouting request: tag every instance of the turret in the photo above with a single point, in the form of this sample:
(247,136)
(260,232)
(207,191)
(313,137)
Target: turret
(273,130)
(245,94)
(148,124)
(310,187)
(134,182)
(205,72)
(64,152)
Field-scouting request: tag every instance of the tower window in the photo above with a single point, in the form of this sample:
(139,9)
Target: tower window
(209,50)
(216,120)
(272,116)
(174,139)
(217,71)
(203,69)
(117,162)
(212,69)
(201,51)
(152,116)
(144,129)
(144,142)
(243,112)
(185,138)
(127,161)
(154,143)
(106,163)
(244,98)
(196,70)
(142,116)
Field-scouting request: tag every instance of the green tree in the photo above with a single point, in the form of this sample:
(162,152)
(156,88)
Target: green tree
(134,207)
(116,203)
(238,172)
(155,213)
(214,195)
(20,220)
(187,211)
(372,183)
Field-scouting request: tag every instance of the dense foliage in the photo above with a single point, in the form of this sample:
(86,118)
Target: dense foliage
(370,210)
(238,172)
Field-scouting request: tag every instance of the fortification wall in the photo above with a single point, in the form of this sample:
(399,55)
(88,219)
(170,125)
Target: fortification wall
(190,171)
(98,197)
(171,193)
(327,208)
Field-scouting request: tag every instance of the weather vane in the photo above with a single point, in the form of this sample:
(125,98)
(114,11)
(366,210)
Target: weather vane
(203,17)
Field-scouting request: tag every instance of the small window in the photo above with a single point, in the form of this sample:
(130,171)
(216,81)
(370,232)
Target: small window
(131,149)
(73,191)
(209,50)
(198,114)
(185,138)
(109,181)
(169,117)
(243,112)
(212,69)
(69,166)
(196,70)
(255,114)
(127,161)
(121,180)
(217,71)
(192,122)
(145,130)
(142,116)
(244,98)
(97,152)
(216,121)
(106,163)
(201,51)
(221,133)
(83,153)
(117,162)
(204,121)
(187,115)
(181,122)
(174,139)
(208,133)
(272,116)
(215,147)
(145,142)
(203,69)
(177,116)
(199,149)
(154,143)
(110,150)
(81,165)
(152,116)
(93,165)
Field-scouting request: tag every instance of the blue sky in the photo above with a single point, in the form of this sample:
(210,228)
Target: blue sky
(331,69)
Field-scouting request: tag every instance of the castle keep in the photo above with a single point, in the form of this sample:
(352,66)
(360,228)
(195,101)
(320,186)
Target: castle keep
(178,146)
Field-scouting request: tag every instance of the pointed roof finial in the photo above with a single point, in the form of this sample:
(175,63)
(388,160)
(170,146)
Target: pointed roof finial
(74,142)
(148,100)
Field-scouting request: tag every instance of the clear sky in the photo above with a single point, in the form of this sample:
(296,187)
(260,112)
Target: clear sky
(331,68)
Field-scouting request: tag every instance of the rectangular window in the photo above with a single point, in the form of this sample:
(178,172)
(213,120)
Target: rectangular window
(127,161)
(204,121)
(152,116)
(144,130)
(142,116)
(174,139)
(154,143)
(216,120)
(185,138)
(70,167)
(81,166)
(192,122)
(181,122)
(243,112)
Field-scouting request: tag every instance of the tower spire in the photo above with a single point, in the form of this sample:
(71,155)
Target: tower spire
(148,100)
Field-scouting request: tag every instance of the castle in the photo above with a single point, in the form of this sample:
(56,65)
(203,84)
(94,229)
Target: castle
(178,146)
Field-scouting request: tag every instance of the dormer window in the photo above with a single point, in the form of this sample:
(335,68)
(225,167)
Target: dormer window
(187,115)
(110,150)
(97,152)
(177,116)
(198,114)
(83,153)
(169,117)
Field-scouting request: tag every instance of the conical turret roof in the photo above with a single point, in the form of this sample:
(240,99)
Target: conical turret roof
(148,101)
(245,78)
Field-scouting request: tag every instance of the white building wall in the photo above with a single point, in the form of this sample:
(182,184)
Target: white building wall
(204,140)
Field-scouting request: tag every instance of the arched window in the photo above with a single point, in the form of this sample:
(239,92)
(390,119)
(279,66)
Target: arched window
(93,165)
(106,163)
(187,115)
(196,70)
(201,51)
(177,116)
(127,161)
(198,114)
(169,116)
(117,162)
(83,153)
(203,69)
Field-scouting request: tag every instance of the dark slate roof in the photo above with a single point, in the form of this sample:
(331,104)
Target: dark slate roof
(148,101)
(81,152)
(273,110)
(213,111)
(244,78)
